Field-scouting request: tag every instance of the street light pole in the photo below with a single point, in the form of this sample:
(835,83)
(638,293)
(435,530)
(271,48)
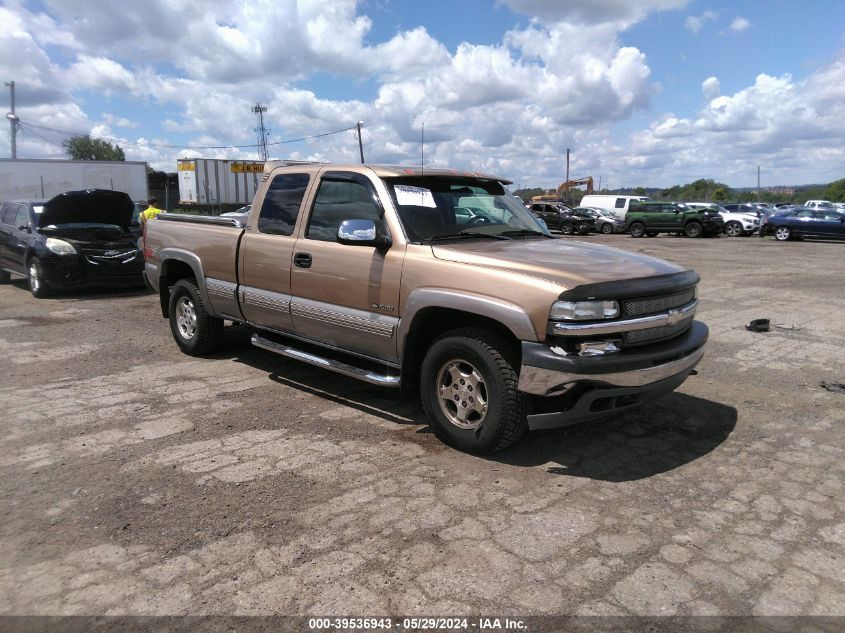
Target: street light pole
(360,142)
(13,121)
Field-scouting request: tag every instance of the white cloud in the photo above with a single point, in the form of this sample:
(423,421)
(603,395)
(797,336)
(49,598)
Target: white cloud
(711,88)
(739,25)
(695,23)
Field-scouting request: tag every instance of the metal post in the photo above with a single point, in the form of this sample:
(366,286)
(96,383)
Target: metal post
(360,142)
(13,121)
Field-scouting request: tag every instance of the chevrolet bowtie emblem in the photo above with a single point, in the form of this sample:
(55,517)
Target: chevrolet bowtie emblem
(674,317)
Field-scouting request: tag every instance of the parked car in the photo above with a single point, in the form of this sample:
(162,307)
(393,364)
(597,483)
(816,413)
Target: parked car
(615,205)
(78,238)
(742,207)
(736,224)
(820,204)
(559,217)
(605,221)
(801,222)
(651,218)
(367,271)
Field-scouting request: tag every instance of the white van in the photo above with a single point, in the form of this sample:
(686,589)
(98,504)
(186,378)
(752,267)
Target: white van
(616,205)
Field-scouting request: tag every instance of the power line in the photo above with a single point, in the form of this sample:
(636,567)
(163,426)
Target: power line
(156,145)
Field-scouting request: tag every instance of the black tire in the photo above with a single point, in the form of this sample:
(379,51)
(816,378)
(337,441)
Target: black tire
(693,229)
(783,233)
(637,229)
(196,332)
(567,228)
(35,278)
(734,229)
(651,233)
(607,228)
(5,276)
(481,357)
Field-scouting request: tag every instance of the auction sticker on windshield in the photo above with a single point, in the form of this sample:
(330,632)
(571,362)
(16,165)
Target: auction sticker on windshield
(414,196)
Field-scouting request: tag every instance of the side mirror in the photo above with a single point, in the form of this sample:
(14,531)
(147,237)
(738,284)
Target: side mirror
(361,233)
(25,227)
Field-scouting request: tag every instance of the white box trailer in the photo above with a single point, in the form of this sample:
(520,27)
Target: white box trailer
(41,179)
(211,181)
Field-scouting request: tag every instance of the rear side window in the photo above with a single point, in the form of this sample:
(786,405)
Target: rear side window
(342,197)
(22,216)
(620,203)
(281,204)
(7,213)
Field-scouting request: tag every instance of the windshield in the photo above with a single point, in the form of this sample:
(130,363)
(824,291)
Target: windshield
(441,206)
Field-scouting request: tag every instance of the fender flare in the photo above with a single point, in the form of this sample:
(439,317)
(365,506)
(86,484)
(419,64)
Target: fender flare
(508,314)
(170,254)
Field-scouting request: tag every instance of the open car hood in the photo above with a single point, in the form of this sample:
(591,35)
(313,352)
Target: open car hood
(91,206)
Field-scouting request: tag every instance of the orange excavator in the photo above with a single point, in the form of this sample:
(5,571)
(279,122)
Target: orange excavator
(563,189)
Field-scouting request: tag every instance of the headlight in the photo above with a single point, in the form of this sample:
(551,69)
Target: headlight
(583,310)
(60,247)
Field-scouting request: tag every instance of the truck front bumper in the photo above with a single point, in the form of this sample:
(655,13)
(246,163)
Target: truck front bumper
(574,388)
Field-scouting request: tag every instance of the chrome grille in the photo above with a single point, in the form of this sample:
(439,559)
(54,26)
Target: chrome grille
(110,257)
(652,305)
(638,337)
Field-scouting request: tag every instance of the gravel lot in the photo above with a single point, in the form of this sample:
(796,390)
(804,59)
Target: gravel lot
(137,480)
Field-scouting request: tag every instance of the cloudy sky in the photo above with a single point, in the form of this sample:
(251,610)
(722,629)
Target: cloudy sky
(645,93)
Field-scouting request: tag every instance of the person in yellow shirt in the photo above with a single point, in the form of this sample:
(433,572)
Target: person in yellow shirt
(150,212)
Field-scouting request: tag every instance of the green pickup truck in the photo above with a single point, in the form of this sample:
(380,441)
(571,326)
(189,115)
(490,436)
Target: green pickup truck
(650,218)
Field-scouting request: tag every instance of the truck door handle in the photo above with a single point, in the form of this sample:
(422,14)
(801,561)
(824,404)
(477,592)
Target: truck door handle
(302,260)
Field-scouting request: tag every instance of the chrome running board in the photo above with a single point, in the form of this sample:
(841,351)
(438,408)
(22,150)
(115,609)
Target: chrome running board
(383,380)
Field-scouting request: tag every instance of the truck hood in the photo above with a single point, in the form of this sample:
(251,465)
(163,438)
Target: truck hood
(92,206)
(568,263)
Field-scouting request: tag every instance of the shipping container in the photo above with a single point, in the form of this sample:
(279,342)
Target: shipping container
(41,179)
(212,181)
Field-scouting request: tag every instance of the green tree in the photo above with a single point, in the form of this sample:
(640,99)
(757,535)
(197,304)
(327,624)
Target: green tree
(720,194)
(835,191)
(87,148)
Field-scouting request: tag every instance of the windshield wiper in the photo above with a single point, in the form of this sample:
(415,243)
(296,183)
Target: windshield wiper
(460,234)
(526,232)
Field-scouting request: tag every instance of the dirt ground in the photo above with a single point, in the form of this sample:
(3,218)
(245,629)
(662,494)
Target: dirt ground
(137,480)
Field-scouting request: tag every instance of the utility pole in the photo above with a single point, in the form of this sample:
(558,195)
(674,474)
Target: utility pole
(567,175)
(758,183)
(261,130)
(13,121)
(360,142)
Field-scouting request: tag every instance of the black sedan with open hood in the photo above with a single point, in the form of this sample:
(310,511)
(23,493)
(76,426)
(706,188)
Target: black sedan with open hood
(78,238)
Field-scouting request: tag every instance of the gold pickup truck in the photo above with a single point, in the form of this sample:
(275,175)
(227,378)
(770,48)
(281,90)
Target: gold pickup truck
(440,281)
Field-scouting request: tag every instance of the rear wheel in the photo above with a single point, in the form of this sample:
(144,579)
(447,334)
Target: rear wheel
(693,229)
(607,228)
(35,277)
(469,390)
(567,228)
(733,229)
(783,233)
(637,229)
(196,332)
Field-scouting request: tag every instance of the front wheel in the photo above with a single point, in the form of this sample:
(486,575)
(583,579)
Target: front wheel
(783,233)
(468,387)
(733,229)
(693,229)
(637,229)
(196,332)
(567,228)
(35,277)
(607,228)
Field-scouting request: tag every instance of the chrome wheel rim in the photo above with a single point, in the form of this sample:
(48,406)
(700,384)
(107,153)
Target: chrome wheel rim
(34,281)
(782,233)
(186,318)
(462,394)
(733,230)
(606,228)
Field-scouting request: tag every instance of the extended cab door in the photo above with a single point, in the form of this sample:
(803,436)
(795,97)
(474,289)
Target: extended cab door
(346,296)
(267,251)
